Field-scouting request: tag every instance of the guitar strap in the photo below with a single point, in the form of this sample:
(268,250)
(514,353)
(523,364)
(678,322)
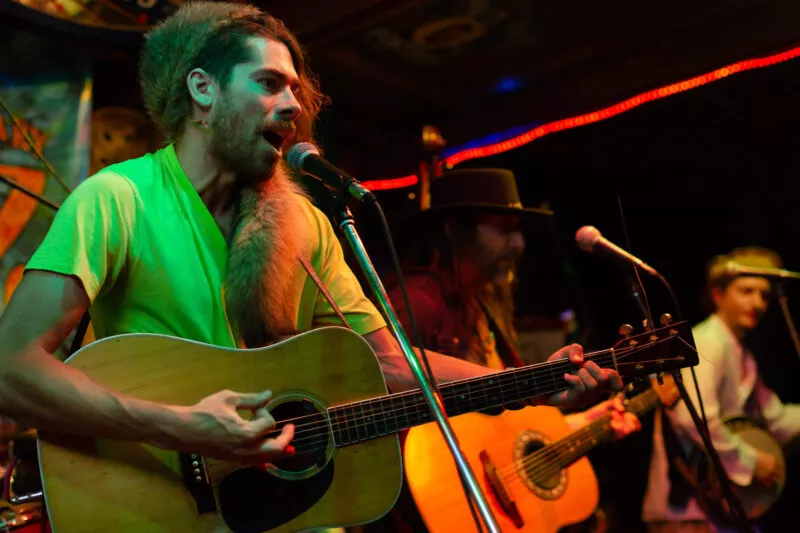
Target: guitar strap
(324,290)
(80,333)
(508,353)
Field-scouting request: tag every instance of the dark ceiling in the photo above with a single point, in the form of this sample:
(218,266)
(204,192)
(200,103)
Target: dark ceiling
(392,66)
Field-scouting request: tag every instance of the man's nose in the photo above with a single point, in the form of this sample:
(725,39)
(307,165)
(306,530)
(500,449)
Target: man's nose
(289,107)
(517,241)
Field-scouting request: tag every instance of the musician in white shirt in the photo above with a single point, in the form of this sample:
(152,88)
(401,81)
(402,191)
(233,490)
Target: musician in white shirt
(730,385)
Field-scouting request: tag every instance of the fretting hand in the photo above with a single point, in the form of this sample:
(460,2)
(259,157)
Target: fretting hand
(587,384)
(623,423)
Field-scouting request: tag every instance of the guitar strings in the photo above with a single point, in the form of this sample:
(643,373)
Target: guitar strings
(593,430)
(326,421)
(319,428)
(548,461)
(621,353)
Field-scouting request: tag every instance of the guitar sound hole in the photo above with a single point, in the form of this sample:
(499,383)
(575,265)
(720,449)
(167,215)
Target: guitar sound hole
(312,440)
(538,467)
(253,501)
(539,471)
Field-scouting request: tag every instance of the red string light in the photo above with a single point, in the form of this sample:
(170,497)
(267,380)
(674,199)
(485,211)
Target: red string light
(590,118)
(393,183)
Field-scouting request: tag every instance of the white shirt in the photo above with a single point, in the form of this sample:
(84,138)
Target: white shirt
(727,376)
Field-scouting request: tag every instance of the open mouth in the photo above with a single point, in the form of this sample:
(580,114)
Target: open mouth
(274,138)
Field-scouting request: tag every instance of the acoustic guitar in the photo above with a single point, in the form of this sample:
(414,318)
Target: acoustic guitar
(531,465)
(328,383)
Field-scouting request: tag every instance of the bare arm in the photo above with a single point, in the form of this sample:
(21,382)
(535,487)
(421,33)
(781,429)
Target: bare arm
(396,369)
(589,380)
(42,392)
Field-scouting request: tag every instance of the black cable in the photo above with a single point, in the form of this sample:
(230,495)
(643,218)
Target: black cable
(741,521)
(401,283)
(735,506)
(645,303)
(418,339)
(679,316)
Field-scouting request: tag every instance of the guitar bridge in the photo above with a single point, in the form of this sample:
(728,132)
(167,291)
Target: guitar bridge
(508,505)
(195,477)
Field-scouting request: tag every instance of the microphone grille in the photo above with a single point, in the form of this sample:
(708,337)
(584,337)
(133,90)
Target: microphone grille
(297,153)
(586,237)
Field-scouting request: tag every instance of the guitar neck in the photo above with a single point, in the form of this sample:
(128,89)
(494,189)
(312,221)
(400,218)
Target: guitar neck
(368,419)
(580,442)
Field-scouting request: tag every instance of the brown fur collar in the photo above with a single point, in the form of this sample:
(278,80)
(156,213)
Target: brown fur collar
(260,286)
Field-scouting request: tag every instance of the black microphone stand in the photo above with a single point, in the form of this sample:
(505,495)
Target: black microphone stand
(783,300)
(345,221)
(741,521)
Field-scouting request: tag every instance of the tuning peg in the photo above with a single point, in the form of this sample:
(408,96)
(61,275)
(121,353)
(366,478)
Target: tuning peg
(645,325)
(626,330)
(666,319)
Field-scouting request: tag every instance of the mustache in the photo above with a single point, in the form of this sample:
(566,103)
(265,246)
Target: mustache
(283,126)
(514,257)
(285,130)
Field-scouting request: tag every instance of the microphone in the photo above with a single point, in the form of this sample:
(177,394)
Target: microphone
(305,158)
(735,269)
(590,239)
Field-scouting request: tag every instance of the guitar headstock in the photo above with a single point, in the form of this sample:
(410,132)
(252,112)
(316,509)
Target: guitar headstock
(670,347)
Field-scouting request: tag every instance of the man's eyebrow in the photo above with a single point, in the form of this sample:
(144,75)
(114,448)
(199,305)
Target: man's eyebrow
(293,81)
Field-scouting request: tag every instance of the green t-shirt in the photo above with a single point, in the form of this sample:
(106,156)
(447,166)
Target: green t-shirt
(153,260)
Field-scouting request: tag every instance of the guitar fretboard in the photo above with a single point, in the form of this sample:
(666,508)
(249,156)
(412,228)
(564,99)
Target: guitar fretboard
(577,444)
(360,421)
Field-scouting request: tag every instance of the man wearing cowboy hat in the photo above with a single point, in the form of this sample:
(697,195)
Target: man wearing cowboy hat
(461,266)
(459,275)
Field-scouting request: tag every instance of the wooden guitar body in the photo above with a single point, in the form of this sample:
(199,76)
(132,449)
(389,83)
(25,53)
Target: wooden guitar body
(104,485)
(545,499)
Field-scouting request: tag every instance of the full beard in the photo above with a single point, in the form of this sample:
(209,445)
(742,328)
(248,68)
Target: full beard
(238,145)
(269,235)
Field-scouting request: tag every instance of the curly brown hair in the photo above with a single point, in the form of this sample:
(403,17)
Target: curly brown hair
(213,36)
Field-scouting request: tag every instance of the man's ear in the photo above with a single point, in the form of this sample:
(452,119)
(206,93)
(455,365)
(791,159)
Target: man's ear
(716,295)
(201,87)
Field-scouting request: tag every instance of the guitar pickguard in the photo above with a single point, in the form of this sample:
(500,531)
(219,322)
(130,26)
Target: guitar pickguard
(253,500)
